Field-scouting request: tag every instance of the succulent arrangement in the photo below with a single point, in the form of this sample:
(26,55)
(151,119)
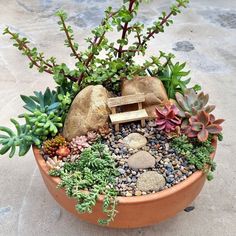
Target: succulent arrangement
(186,118)
(190,114)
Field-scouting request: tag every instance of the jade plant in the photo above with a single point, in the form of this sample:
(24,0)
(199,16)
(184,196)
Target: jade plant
(91,170)
(48,110)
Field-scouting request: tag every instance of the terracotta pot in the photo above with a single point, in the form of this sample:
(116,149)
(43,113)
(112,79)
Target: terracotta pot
(132,211)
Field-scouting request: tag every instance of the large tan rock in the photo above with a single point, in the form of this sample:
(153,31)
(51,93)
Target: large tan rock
(135,140)
(152,87)
(150,181)
(141,160)
(88,111)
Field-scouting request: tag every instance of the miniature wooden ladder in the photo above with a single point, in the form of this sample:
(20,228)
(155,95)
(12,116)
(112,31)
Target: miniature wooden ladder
(123,117)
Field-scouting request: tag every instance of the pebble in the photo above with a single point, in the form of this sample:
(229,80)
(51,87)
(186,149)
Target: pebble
(128,194)
(122,171)
(138,193)
(172,167)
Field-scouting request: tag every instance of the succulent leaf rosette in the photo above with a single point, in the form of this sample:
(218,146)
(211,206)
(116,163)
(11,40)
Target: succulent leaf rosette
(167,118)
(201,126)
(190,103)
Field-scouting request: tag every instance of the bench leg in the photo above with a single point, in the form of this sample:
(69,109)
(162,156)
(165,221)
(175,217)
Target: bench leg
(142,122)
(117,127)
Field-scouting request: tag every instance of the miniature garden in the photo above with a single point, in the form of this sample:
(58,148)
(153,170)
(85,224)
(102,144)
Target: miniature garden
(111,126)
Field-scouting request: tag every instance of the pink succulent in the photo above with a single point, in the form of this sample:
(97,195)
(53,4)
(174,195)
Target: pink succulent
(201,126)
(78,144)
(92,136)
(166,118)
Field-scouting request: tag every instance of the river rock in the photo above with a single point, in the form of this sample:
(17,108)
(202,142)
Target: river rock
(135,141)
(153,89)
(150,181)
(141,160)
(88,111)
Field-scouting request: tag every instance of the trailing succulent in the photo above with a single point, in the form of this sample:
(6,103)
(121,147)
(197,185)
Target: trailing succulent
(92,175)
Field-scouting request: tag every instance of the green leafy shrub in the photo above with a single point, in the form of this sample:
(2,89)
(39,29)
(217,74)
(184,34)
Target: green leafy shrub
(119,61)
(96,172)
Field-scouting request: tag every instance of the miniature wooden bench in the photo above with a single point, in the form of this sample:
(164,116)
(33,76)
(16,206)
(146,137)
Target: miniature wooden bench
(123,117)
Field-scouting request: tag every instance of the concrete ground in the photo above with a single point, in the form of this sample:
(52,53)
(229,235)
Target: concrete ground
(204,36)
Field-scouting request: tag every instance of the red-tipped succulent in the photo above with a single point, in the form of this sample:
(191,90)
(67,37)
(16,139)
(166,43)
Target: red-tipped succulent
(166,118)
(201,126)
(63,151)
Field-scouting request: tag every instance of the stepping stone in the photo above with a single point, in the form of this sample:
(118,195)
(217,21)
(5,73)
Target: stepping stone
(135,141)
(150,181)
(141,160)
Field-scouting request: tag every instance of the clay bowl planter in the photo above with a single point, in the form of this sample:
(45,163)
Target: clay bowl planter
(151,208)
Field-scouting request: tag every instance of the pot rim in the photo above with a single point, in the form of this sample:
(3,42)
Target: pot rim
(134,199)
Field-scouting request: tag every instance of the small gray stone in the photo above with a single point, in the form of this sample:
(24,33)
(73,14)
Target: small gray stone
(158,158)
(167,146)
(122,171)
(150,181)
(135,141)
(141,160)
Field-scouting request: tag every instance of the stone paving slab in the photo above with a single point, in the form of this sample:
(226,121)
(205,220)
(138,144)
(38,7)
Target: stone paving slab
(204,37)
